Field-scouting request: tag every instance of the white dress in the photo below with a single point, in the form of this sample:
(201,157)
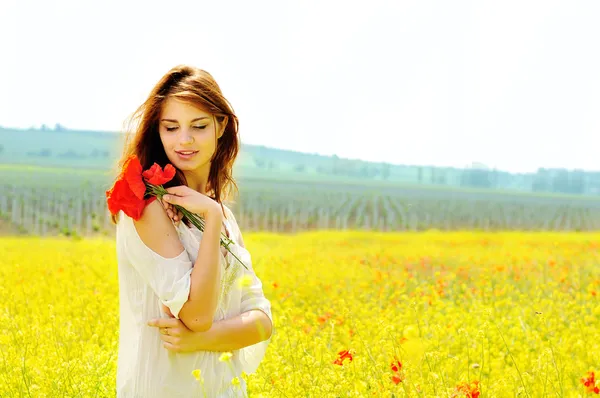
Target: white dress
(145,368)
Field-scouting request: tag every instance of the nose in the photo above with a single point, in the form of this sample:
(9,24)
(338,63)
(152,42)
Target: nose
(186,137)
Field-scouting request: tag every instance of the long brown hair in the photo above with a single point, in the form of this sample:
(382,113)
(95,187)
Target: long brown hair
(196,87)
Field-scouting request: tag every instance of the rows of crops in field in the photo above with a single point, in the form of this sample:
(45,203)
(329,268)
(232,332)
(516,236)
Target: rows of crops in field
(72,208)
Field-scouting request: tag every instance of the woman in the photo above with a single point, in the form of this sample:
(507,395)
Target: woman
(185,300)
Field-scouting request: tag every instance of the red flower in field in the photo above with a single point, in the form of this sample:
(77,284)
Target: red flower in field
(324,318)
(155,175)
(128,191)
(590,383)
(342,355)
(469,390)
(397,378)
(396,365)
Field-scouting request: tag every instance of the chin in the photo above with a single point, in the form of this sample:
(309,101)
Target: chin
(189,165)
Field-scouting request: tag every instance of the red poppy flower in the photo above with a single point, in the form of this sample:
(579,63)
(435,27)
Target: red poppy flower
(396,366)
(469,390)
(341,356)
(155,175)
(590,383)
(132,173)
(121,197)
(396,378)
(128,191)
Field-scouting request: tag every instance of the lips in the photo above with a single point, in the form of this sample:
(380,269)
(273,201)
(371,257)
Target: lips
(186,154)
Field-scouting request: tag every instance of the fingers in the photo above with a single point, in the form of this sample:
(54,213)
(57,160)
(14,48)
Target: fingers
(171,347)
(172,199)
(172,212)
(164,322)
(175,194)
(180,190)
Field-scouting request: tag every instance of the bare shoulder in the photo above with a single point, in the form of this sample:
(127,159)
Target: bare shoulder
(157,231)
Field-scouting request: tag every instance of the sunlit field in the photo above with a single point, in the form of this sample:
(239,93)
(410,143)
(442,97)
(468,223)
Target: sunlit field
(357,314)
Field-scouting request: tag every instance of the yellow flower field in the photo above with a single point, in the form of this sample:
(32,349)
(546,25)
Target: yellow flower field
(357,314)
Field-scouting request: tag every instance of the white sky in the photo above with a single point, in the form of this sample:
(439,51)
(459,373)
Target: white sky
(511,84)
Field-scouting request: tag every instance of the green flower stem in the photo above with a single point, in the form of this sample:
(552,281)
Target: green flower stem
(196,220)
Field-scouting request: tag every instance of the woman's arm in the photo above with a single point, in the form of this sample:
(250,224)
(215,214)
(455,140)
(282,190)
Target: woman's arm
(158,234)
(231,334)
(241,331)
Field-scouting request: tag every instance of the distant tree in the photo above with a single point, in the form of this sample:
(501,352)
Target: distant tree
(494,178)
(420,174)
(259,162)
(337,167)
(72,154)
(438,175)
(477,176)
(442,177)
(577,182)
(59,127)
(594,183)
(300,168)
(541,181)
(385,171)
(364,171)
(560,181)
(1,149)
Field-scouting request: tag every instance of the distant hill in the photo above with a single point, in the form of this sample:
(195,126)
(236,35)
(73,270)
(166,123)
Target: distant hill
(61,147)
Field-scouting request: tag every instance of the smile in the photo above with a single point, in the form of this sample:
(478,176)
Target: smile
(186,154)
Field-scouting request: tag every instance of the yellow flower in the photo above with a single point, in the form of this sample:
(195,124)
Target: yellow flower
(411,332)
(225,357)
(197,374)
(235,381)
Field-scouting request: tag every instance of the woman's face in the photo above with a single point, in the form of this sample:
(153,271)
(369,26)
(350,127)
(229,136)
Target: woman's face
(188,135)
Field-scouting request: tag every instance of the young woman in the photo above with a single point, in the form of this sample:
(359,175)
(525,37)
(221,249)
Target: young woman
(184,300)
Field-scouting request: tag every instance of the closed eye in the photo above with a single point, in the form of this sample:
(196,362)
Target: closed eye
(175,128)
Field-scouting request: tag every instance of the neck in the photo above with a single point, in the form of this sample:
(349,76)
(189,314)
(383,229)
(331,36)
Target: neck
(197,179)
(197,182)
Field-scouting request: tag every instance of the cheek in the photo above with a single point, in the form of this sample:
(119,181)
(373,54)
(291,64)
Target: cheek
(167,146)
(165,140)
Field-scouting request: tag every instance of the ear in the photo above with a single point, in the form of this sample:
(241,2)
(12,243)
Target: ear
(222,125)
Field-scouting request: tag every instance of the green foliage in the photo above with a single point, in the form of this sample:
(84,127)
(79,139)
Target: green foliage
(96,154)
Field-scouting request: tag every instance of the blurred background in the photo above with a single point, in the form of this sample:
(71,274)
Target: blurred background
(376,116)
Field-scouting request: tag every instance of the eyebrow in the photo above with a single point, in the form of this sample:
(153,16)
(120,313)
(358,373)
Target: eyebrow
(175,121)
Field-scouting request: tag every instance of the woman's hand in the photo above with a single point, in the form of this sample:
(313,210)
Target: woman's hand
(173,213)
(177,337)
(191,200)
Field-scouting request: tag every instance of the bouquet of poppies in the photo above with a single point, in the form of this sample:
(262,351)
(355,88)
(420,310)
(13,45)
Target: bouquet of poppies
(135,188)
